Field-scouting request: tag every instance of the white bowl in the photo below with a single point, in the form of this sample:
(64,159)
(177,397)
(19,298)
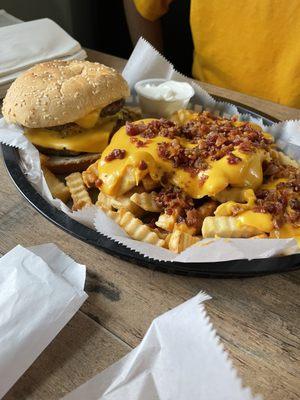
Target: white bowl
(160,107)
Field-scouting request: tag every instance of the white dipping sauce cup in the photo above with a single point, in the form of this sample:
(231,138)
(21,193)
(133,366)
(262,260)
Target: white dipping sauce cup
(161,107)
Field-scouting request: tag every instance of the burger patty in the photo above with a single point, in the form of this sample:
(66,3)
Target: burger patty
(112,108)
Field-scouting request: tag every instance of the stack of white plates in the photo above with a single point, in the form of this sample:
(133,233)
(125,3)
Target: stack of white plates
(23,44)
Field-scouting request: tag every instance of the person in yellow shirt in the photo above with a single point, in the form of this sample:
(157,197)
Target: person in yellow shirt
(251,46)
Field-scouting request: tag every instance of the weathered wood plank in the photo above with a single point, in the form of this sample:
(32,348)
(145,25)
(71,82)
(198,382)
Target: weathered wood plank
(82,349)
(257,318)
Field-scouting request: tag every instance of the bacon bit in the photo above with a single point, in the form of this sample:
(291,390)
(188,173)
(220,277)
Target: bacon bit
(293,185)
(217,136)
(246,147)
(295,204)
(116,153)
(214,137)
(143,165)
(283,202)
(232,159)
(175,202)
(150,130)
(161,127)
(165,179)
(171,198)
(188,159)
(193,217)
(132,129)
(139,143)
(274,170)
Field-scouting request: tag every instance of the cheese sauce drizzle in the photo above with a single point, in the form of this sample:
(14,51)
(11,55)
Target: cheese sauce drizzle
(208,182)
(239,170)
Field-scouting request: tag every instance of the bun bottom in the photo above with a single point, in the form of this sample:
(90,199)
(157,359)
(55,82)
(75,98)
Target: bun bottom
(67,165)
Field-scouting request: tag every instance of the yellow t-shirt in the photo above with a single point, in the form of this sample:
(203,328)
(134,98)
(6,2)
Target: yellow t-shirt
(251,46)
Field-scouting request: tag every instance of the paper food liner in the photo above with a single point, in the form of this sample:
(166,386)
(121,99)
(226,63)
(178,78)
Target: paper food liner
(144,63)
(179,358)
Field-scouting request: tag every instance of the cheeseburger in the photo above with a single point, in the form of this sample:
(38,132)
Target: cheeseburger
(69,110)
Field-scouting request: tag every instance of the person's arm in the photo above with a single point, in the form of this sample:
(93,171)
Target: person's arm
(140,26)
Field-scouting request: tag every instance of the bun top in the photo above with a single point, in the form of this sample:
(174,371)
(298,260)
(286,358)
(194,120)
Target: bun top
(58,92)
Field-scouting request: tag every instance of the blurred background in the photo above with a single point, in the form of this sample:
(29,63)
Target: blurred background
(101,25)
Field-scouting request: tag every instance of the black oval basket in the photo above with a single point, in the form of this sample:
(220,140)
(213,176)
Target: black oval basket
(224,269)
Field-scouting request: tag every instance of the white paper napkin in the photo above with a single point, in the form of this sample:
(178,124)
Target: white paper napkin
(8,19)
(180,358)
(41,288)
(23,45)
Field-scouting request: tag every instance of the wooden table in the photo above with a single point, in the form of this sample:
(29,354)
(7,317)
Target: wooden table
(257,319)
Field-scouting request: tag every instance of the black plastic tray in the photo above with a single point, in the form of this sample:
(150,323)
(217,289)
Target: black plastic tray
(224,269)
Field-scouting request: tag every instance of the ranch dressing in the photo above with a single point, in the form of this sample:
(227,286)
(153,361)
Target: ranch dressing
(168,91)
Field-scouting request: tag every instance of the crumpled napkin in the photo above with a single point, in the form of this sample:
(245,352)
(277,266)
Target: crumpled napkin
(24,44)
(41,288)
(180,358)
(8,19)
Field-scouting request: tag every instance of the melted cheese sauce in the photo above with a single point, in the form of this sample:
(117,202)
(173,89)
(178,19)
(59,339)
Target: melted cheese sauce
(247,173)
(287,231)
(272,184)
(246,216)
(226,209)
(243,178)
(260,221)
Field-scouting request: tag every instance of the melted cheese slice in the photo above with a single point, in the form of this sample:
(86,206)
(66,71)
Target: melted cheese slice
(93,140)
(89,120)
(247,173)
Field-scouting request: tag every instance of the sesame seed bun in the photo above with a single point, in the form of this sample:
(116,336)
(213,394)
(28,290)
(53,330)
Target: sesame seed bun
(58,92)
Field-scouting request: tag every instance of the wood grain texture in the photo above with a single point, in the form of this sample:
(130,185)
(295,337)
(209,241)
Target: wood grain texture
(82,349)
(257,319)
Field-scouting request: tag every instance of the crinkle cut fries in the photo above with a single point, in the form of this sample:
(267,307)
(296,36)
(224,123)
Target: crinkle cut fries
(172,182)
